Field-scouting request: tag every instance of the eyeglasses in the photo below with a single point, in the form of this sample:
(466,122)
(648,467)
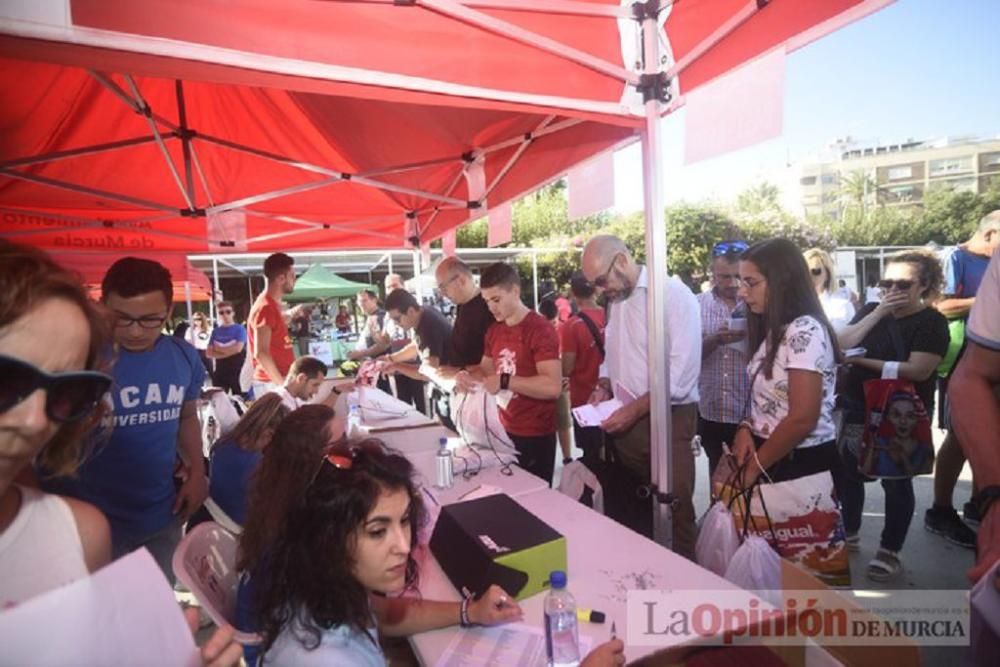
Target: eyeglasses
(226,312)
(750,284)
(903,285)
(817,271)
(448,282)
(154,322)
(69,396)
(602,280)
(729,248)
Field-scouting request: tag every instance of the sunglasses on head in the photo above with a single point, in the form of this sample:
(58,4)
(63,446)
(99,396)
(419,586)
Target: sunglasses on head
(69,396)
(343,457)
(729,248)
(817,271)
(901,284)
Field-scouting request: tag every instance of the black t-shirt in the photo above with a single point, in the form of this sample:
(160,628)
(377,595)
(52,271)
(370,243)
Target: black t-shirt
(926,331)
(472,321)
(433,335)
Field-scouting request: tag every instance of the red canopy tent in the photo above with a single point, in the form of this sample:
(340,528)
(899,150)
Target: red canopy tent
(189,283)
(194,125)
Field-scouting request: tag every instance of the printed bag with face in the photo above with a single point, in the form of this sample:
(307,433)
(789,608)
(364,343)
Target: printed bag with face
(897,437)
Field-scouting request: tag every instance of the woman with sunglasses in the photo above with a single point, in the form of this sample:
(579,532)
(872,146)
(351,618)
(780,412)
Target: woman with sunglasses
(824,278)
(358,506)
(50,393)
(789,431)
(904,329)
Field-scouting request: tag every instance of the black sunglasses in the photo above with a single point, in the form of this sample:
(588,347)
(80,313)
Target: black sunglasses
(901,284)
(70,396)
(817,271)
(729,248)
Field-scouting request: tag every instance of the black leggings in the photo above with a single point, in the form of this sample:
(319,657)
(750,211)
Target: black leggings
(537,454)
(805,461)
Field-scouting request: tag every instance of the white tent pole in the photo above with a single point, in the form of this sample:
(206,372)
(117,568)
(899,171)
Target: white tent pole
(534,275)
(215,275)
(416,276)
(187,297)
(72,187)
(573,7)
(390,261)
(79,152)
(661,463)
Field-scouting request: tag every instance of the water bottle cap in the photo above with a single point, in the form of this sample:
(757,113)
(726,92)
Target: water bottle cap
(557,579)
(443,442)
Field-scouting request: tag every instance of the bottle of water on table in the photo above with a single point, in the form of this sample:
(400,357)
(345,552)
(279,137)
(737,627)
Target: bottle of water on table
(445,472)
(353,416)
(562,644)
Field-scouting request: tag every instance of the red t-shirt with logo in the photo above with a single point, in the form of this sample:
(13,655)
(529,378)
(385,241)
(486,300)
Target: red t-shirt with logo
(517,350)
(576,339)
(266,312)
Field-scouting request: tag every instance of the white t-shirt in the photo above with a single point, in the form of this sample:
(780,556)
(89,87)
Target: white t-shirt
(199,339)
(337,646)
(40,550)
(839,311)
(984,320)
(805,346)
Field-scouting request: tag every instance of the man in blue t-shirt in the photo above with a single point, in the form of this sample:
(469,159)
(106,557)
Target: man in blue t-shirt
(963,272)
(228,347)
(158,379)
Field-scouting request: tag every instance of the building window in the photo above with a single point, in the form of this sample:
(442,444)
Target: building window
(900,173)
(955,185)
(989,161)
(902,194)
(951,165)
(830,179)
(807,180)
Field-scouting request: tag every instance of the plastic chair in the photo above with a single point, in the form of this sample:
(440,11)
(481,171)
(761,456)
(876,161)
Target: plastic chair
(220,517)
(205,562)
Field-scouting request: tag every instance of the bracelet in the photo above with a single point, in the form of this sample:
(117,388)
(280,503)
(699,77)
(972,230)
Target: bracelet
(505,381)
(463,614)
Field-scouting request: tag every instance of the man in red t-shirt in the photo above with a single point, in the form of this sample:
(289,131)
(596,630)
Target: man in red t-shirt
(582,354)
(521,367)
(267,332)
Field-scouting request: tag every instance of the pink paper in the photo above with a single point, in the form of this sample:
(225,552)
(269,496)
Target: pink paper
(592,186)
(501,221)
(737,110)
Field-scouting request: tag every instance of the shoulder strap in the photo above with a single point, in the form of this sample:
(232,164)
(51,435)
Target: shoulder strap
(592,327)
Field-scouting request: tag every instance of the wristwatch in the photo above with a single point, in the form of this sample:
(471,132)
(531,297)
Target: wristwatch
(985,498)
(505,381)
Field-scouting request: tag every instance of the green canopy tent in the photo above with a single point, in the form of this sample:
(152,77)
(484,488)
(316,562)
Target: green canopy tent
(319,282)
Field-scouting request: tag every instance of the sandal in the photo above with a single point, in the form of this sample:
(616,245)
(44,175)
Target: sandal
(885,565)
(853,543)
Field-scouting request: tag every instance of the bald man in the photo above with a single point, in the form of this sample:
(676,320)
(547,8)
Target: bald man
(472,316)
(609,266)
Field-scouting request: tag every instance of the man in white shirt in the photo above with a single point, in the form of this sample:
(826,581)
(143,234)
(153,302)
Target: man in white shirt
(303,381)
(609,266)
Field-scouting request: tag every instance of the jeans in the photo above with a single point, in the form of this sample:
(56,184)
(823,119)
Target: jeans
(161,547)
(899,503)
(713,434)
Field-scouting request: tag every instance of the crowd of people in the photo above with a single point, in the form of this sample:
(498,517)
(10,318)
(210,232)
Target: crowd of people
(101,451)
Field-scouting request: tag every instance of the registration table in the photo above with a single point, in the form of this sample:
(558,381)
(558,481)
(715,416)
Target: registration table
(604,561)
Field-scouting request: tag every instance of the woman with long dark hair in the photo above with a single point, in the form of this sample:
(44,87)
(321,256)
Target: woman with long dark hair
(905,329)
(328,546)
(789,430)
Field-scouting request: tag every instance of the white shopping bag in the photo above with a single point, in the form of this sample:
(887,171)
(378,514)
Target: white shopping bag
(577,479)
(717,540)
(756,567)
(477,420)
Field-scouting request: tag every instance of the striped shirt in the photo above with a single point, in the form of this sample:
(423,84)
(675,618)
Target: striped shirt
(723,386)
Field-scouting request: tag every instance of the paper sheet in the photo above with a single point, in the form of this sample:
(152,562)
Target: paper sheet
(500,646)
(125,614)
(593,415)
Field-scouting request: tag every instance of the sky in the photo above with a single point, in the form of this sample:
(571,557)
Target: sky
(920,69)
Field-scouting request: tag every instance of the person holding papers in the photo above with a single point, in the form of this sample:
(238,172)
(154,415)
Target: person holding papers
(521,367)
(609,266)
(582,339)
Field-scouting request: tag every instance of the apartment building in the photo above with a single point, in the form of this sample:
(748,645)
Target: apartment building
(897,174)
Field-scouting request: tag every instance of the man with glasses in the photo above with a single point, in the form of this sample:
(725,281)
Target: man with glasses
(723,388)
(472,316)
(227,347)
(607,263)
(270,344)
(154,418)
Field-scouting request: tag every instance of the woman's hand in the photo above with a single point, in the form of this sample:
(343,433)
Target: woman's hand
(495,607)
(221,650)
(743,445)
(464,382)
(609,653)
(890,302)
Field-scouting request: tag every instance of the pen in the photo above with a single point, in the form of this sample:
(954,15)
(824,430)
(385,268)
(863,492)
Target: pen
(470,491)
(431,496)
(614,633)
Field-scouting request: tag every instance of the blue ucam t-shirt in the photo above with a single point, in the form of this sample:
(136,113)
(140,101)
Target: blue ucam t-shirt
(229,485)
(131,476)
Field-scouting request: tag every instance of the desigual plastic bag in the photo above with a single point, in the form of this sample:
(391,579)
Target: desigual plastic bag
(718,540)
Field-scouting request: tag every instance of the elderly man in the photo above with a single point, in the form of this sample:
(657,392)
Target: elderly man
(607,263)
(472,315)
(724,387)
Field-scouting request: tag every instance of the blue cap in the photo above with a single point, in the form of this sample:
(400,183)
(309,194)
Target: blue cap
(557,579)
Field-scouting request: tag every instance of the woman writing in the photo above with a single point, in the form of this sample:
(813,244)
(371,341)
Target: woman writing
(903,329)
(358,506)
(789,432)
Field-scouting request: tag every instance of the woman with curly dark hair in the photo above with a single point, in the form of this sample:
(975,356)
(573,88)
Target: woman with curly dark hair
(789,431)
(327,546)
(906,330)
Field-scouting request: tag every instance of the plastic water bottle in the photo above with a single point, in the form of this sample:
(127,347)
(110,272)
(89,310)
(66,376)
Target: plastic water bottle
(562,643)
(445,472)
(353,416)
